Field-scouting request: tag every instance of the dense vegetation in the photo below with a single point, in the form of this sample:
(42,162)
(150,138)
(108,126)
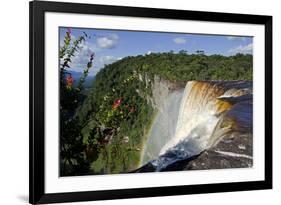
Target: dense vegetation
(116,119)
(182,67)
(105,132)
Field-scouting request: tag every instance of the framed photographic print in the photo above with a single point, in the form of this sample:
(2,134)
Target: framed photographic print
(140,102)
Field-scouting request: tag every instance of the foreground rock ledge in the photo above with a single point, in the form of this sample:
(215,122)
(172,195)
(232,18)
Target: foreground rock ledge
(230,152)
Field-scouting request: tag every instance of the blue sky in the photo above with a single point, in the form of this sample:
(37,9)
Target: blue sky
(112,45)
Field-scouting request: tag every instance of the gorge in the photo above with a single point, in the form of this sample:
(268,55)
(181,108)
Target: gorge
(167,112)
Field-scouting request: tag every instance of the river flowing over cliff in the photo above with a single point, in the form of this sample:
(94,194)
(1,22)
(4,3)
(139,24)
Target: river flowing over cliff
(205,116)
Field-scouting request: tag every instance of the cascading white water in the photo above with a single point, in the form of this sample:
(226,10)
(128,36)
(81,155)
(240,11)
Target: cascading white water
(192,124)
(198,114)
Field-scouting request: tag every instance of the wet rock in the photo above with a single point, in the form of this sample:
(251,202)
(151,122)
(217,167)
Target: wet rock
(226,154)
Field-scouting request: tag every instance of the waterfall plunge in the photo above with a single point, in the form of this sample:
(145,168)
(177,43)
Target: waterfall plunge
(198,114)
(190,118)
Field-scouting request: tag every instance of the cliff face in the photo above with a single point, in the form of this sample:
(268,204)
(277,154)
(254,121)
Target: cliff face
(157,90)
(165,99)
(161,90)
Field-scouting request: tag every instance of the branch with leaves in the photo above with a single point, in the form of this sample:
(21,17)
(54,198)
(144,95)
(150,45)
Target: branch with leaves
(72,150)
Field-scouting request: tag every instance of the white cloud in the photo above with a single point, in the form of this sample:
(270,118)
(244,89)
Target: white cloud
(83,55)
(107,59)
(148,52)
(107,41)
(247,49)
(179,40)
(86,49)
(232,38)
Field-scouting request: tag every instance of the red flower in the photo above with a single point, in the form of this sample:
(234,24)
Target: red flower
(69,81)
(116,103)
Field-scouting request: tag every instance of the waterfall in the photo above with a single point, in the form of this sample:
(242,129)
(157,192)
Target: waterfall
(190,121)
(199,113)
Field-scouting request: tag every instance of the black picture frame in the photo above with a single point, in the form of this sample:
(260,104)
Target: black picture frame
(37,10)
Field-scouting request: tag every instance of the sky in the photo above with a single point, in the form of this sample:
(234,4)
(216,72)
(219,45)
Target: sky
(112,45)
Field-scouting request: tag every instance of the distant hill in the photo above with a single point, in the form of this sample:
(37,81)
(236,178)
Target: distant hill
(76,76)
